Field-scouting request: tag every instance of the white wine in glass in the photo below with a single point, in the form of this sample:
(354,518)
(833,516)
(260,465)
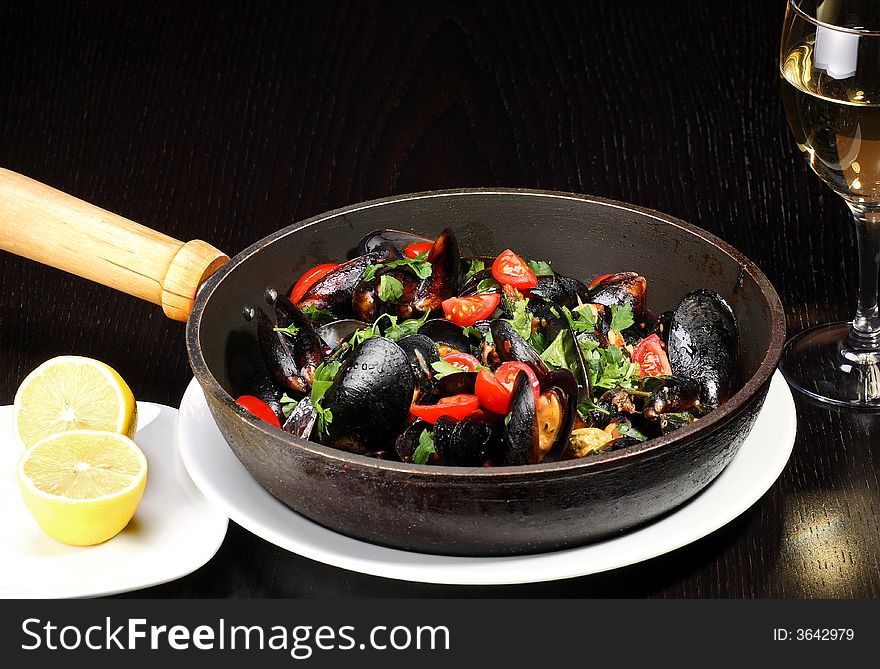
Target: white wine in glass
(830,70)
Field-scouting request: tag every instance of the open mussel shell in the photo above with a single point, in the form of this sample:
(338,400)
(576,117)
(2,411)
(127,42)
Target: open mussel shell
(308,347)
(441,284)
(334,290)
(462,383)
(421,352)
(336,332)
(510,346)
(370,397)
(447,333)
(555,413)
(703,344)
(622,288)
(408,441)
(388,242)
(468,442)
(278,354)
(563,290)
(469,287)
(519,438)
(302,419)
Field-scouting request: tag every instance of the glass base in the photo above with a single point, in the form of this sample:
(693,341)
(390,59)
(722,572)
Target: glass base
(819,363)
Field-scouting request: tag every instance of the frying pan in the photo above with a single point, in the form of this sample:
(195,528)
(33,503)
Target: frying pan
(453,511)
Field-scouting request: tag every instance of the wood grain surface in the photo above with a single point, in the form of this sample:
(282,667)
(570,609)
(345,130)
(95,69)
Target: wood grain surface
(224,121)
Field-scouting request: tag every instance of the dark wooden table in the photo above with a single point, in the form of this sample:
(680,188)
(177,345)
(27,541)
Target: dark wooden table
(227,120)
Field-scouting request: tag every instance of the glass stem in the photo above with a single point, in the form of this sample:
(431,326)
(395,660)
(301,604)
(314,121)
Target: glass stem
(864,335)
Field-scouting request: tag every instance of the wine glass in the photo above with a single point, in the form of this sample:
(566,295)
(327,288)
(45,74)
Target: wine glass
(830,67)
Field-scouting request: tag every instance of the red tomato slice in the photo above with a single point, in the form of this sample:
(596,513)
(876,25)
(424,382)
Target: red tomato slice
(466,311)
(464,361)
(417,249)
(512,270)
(598,280)
(651,357)
(259,408)
(454,406)
(494,390)
(309,279)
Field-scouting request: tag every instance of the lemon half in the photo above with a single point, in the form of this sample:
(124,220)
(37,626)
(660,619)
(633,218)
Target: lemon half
(83,486)
(72,393)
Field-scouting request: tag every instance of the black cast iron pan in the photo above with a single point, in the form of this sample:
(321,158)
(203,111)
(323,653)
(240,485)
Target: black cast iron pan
(469,511)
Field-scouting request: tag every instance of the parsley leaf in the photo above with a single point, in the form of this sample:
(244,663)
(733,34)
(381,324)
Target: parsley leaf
(418,266)
(442,368)
(288,404)
(487,286)
(472,331)
(425,448)
(588,406)
(323,380)
(628,431)
(581,318)
(621,317)
(522,319)
(291,329)
(315,313)
(476,265)
(390,289)
(609,368)
(556,354)
(540,268)
(410,326)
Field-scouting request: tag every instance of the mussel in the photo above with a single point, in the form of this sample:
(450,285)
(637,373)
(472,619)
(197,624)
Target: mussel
(509,345)
(336,332)
(302,419)
(421,353)
(278,353)
(445,259)
(389,242)
(334,291)
(622,288)
(370,398)
(468,442)
(446,333)
(563,290)
(702,344)
(308,348)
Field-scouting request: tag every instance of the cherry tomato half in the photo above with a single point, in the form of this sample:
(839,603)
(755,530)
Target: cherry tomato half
(466,311)
(309,279)
(494,390)
(651,357)
(259,408)
(417,249)
(512,270)
(454,406)
(464,361)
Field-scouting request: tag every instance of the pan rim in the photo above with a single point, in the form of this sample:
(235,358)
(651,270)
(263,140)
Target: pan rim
(712,422)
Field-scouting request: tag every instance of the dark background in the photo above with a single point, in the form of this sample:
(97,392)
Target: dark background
(225,121)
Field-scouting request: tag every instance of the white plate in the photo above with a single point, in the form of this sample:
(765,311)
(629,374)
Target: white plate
(225,481)
(175,530)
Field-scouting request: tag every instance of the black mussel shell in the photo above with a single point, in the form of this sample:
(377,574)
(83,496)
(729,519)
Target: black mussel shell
(445,259)
(623,288)
(446,332)
(334,290)
(308,347)
(387,242)
(278,354)
(456,384)
(562,383)
(561,289)
(673,395)
(703,344)
(510,346)
(661,326)
(370,397)
(519,438)
(421,352)
(464,443)
(301,420)
(408,441)
(336,332)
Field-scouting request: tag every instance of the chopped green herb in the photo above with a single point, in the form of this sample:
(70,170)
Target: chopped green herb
(581,318)
(476,265)
(621,317)
(390,289)
(487,286)
(628,431)
(288,404)
(609,368)
(522,319)
(540,268)
(588,406)
(472,331)
(315,313)
(321,383)
(537,341)
(291,329)
(425,449)
(443,368)
(418,266)
(410,326)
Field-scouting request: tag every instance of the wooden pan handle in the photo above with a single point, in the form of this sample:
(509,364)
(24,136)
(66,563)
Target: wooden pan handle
(57,229)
